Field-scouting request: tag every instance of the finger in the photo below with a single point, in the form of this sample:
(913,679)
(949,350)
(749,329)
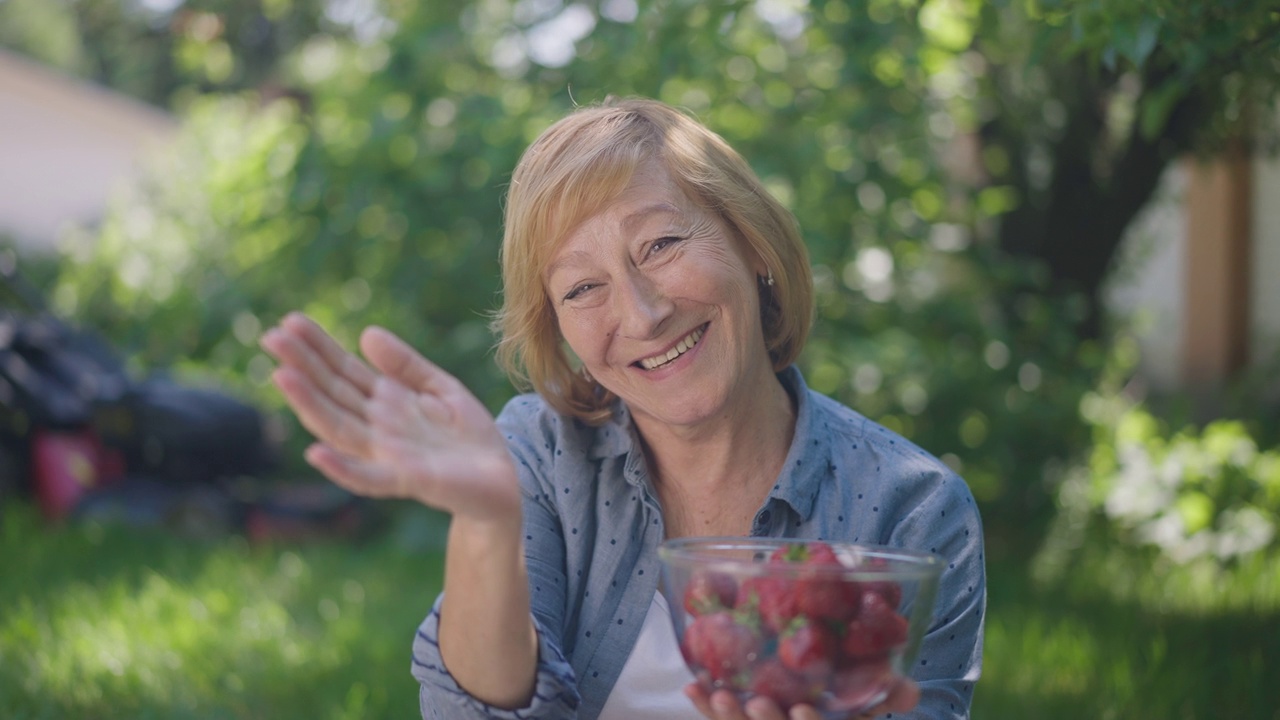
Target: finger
(397,359)
(293,352)
(763,708)
(322,344)
(903,696)
(725,706)
(698,696)
(318,413)
(808,712)
(344,378)
(359,476)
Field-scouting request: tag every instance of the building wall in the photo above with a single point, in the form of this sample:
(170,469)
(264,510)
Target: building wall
(1152,287)
(65,146)
(1264,320)
(1147,287)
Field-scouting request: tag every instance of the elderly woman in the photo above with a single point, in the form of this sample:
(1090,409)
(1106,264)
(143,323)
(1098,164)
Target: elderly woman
(655,298)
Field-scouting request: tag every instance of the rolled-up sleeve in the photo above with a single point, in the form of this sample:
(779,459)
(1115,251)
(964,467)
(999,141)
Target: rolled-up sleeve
(556,694)
(441,698)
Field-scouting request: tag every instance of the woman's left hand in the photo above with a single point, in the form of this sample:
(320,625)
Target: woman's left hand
(722,705)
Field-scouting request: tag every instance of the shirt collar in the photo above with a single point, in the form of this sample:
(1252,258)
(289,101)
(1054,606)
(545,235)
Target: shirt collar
(808,458)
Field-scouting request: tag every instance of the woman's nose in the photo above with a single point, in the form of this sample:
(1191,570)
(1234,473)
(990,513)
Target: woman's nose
(642,307)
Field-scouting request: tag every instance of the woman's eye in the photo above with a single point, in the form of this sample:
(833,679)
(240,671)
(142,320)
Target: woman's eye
(578,291)
(662,244)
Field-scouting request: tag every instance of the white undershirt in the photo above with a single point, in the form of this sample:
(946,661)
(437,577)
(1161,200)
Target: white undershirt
(653,679)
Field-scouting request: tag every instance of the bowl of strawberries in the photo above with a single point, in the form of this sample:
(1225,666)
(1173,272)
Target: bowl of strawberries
(832,625)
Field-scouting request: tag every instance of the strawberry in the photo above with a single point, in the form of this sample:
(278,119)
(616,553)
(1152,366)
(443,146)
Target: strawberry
(772,597)
(789,553)
(709,592)
(862,685)
(809,648)
(876,630)
(824,595)
(798,552)
(785,687)
(889,590)
(820,553)
(722,644)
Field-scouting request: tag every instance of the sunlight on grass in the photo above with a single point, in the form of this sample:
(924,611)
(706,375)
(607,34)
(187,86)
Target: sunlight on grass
(1117,635)
(108,623)
(166,627)
(1028,646)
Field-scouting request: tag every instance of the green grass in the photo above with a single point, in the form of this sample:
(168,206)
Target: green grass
(1117,638)
(100,622)
(117,623)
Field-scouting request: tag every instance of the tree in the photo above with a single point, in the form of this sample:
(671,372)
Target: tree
(165,50)
(940,289)
(1089,110)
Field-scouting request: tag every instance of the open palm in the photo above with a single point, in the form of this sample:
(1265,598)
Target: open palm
(397,427)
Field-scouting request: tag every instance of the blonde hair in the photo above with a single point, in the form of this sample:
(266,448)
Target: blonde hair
(575,168)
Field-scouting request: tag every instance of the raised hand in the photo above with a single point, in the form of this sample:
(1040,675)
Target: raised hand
(397,427)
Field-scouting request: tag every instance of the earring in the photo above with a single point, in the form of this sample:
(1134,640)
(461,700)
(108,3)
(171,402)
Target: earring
(767,280)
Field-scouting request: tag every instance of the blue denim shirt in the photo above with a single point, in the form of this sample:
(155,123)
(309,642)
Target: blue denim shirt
(592,528)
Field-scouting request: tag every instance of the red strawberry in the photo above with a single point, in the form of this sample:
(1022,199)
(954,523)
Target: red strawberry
(877,629)
(809,648)
(789,552)
(722,644)
(772,597)
(827,599)
(785,687)
(709,592)
(887,589)
(862,685)
(820,553)
(800,551)
(822,595)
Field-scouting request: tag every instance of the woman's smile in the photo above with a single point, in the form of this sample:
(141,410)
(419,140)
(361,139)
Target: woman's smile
(678,350)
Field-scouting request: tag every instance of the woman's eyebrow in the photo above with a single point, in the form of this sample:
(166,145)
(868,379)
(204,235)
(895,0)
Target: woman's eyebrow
(569,259)
(639,216)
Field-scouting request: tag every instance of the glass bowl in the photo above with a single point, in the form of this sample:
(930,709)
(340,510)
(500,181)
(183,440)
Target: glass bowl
(827,624)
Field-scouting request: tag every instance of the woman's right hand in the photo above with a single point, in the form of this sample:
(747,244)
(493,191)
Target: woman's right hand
(398,427)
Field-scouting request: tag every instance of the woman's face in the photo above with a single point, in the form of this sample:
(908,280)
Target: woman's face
(657,297)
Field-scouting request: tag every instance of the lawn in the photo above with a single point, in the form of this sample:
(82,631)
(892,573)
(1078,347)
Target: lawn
(108,622)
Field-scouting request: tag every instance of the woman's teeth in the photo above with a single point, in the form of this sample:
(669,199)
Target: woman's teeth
(681,347)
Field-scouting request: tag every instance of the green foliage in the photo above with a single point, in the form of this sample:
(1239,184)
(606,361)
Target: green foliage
(378,202)
(167,51)
(1227,51)
(1186,517)
(376,196)
(1207,493)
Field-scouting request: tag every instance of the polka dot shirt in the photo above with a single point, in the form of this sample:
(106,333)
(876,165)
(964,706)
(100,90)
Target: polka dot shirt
(593,525)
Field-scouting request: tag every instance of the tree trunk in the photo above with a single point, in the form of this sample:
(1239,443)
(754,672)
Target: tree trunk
(1076,225)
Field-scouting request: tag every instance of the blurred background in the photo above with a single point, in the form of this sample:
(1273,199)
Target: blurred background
(1045,235)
